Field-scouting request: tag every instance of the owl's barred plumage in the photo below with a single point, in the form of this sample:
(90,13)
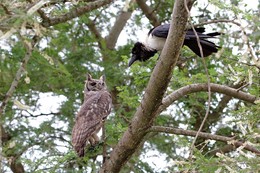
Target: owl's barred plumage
(94,110)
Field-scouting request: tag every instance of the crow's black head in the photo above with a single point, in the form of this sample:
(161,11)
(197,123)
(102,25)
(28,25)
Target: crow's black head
(141,53)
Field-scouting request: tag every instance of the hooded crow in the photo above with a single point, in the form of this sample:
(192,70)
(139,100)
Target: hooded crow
(156,39)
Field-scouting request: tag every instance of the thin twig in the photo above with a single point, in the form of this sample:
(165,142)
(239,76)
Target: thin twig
(218,21)
(204,135)
(38,115)
(240,88)
(208,81)
(248,64)
(251,51)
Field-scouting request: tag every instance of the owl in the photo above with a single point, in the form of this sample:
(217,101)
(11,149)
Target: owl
(93,112)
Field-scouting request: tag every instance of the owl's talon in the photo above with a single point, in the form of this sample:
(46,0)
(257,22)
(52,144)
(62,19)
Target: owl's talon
(92,148)
(101,143)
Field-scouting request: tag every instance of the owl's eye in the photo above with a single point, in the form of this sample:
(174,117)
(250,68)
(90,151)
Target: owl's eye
(92,84)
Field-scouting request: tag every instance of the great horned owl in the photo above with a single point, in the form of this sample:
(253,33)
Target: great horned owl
(94,110)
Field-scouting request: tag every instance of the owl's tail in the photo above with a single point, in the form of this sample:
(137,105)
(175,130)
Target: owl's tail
(80,150)
(78,141)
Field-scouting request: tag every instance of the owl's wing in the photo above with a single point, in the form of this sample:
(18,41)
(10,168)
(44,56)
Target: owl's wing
(90,117)
(98,104)
(81,133)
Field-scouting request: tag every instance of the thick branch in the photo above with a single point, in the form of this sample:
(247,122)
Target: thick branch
(193,88)
(115,31)
(203,135)
(75,12)
(16,166)
(155,90)
(119,25)
(148,12)
(5,137)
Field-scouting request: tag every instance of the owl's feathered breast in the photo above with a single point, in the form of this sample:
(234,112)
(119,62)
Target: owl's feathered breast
(96,107)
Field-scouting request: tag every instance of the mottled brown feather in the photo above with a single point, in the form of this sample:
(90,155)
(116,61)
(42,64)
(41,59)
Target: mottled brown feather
(94,110)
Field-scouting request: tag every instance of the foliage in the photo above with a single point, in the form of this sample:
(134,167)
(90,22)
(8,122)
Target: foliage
(39,137)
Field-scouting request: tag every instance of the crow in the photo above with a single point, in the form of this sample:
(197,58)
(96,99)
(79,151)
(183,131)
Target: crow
(156,38)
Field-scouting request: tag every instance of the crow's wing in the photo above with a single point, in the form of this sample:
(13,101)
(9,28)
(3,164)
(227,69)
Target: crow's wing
(208,47)
(163,30)
(160,31)
(191,35)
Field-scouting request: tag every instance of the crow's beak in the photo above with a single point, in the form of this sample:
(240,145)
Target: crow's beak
(132,60)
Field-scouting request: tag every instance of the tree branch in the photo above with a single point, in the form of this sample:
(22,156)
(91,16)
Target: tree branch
(75,13)
(39,115)
(216,113)
(92,27)
(218,21)
(155,90)
(18,75)
(204,135)
(119,25)
(193,88)
(5,9)
(4,136)
(148,12)
(115,31)
(256,60)
(209,89)
(214,116)
(15,165)
(225,149)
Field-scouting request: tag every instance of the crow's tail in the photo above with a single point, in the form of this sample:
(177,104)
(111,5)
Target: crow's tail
(208,47)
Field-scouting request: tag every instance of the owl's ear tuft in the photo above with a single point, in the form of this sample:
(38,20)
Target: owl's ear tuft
(89,77)
(102,78)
